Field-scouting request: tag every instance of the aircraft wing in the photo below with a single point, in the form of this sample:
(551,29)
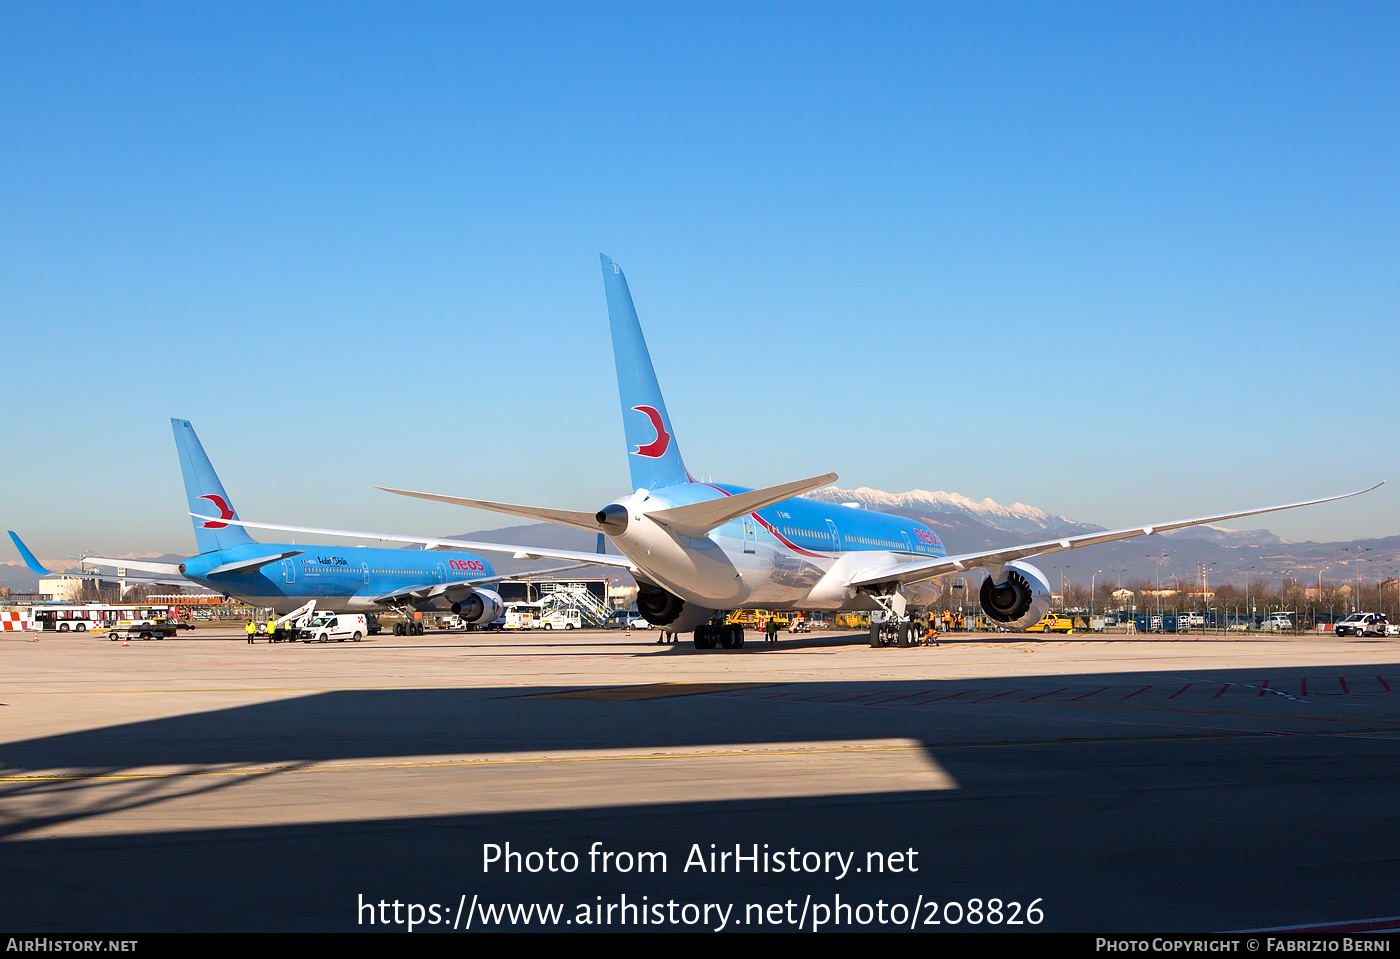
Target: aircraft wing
(429,542)
(176,580)
(35,566)
(170,569)
(920,570)
(542,514)
(421,591)
(413,594)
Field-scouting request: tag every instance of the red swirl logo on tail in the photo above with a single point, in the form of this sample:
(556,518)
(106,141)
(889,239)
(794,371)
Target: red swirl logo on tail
(225,511)
(658,446)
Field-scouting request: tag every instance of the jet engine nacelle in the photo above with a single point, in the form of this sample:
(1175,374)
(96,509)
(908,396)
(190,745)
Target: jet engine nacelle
(1021,599)
(657,606)
(482,606)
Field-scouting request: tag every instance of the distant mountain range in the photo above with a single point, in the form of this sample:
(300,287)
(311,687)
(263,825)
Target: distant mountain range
(1016,518)
(968,525)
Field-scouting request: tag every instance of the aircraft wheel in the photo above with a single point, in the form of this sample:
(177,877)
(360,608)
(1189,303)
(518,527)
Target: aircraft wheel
(704,637)
(876,640)
(905,637)
(398,629)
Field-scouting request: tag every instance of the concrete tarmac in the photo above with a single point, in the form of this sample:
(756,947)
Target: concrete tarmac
(1094,784)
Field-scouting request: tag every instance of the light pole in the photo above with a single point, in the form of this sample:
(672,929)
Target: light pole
(1355,562)
(1091,597)
(1061,570)
(1246,591)
(1160,561)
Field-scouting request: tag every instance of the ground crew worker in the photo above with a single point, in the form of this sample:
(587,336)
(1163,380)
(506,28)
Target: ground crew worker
(771,628)
(252,630)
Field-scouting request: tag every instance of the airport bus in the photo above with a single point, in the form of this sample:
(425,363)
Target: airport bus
(94,617)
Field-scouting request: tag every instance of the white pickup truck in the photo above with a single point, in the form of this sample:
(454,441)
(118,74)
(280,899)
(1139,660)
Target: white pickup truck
(339,627)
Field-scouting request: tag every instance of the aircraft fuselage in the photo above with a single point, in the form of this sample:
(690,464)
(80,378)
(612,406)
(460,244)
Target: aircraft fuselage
(345,579)
(794,554)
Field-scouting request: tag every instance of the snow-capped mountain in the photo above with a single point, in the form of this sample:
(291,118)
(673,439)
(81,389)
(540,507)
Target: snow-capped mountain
(1016,518)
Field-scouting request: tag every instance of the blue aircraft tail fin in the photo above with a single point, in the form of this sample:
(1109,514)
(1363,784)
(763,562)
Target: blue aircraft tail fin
(206,494)
(652,452)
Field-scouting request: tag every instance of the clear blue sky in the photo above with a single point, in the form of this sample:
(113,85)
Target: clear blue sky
(1125,262)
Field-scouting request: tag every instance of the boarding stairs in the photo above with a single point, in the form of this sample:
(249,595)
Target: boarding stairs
(574,596)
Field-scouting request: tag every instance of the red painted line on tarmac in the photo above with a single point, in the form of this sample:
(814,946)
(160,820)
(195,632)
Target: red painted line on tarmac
(1051,693)
(1180,691)
(949,696)
(860,696)
(1305,686)
(1383,683)
(998,695)
(1264,687)
(1142,690)
(1343,681)
(1087,695)
(817,696)
(895,699)
(1222,691)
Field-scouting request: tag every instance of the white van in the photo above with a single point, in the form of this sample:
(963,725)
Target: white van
(562,619)
(325,627)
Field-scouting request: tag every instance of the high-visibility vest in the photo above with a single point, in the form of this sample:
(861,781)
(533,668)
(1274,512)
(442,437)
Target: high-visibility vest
(252,627)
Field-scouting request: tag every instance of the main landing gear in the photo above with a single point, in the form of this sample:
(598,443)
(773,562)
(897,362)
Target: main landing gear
(408,629)
(898,625)
(891,634)
(728,635)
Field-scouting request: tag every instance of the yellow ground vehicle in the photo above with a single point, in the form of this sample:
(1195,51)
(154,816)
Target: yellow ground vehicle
(756,618)
(1052,623)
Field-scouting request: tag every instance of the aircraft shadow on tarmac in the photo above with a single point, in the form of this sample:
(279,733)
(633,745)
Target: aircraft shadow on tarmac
(1132,800)
(949,719)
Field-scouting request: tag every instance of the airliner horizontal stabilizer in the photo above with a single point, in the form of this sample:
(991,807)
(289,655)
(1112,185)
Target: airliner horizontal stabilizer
(697,519)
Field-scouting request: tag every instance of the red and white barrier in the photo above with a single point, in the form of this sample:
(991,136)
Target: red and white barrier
(13,622)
